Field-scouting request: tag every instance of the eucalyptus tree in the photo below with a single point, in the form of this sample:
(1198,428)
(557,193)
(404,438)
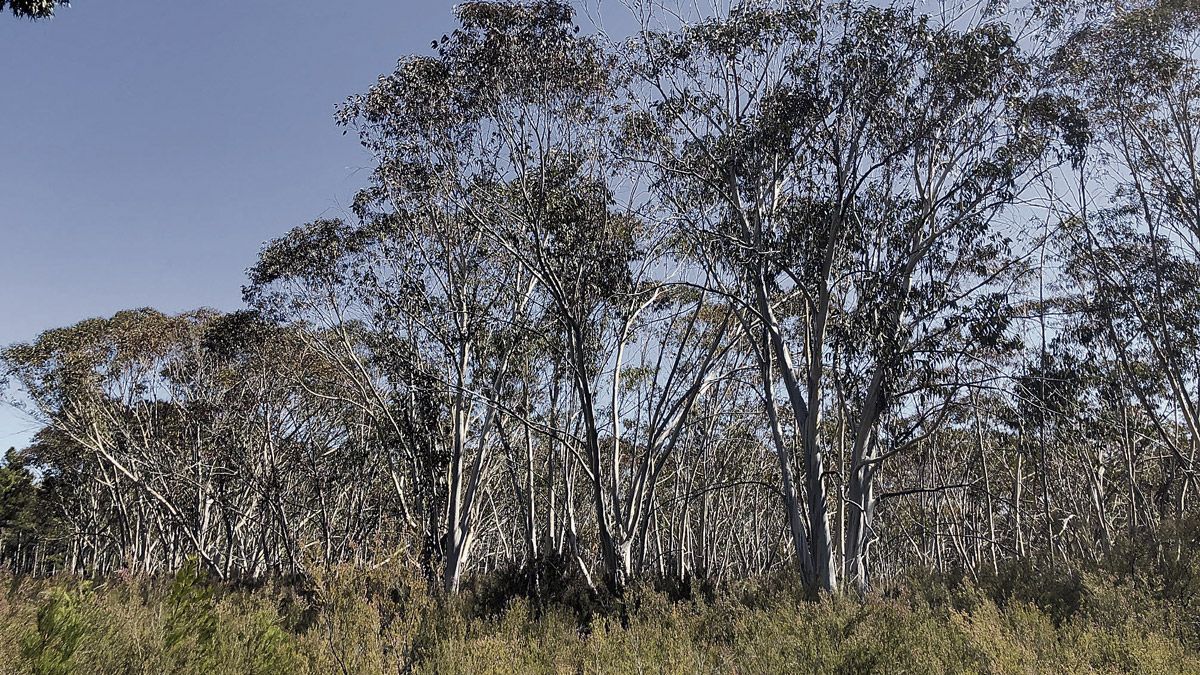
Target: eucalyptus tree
(510,126)
(107,386)
(610,302)
(276,484)
(642,347)
(32,9)
(175,436)
(1131,237)
(838,170)
(417,319)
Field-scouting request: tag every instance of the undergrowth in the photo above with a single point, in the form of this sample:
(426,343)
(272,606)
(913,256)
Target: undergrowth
(343,620)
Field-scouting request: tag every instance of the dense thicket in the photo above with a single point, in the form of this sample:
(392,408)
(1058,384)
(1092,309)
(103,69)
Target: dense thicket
(347,619)
(840,288)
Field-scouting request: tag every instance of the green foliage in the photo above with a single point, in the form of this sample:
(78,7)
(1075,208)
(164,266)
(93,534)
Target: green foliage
(61,627)
(28,515)
(191,620)
(32,9)
(349,620)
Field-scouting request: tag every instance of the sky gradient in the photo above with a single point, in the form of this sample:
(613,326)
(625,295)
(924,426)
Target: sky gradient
(149,148)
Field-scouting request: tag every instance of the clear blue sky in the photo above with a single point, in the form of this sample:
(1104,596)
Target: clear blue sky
(148,148)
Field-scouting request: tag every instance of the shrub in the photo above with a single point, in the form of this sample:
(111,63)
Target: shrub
(348,620)
(60,628)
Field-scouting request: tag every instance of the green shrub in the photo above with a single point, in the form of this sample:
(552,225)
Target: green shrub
(347,620)
(61,627)
(190,626)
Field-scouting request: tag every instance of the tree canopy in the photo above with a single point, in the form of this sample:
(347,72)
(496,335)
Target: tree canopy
(32,9)
(840,287)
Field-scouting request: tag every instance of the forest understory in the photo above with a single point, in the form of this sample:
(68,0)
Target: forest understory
(1024,618)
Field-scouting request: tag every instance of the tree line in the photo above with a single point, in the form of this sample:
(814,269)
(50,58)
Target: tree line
(838,287)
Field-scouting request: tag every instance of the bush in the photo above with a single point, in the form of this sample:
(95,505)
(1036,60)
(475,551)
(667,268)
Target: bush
(346,620)
(60,627)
